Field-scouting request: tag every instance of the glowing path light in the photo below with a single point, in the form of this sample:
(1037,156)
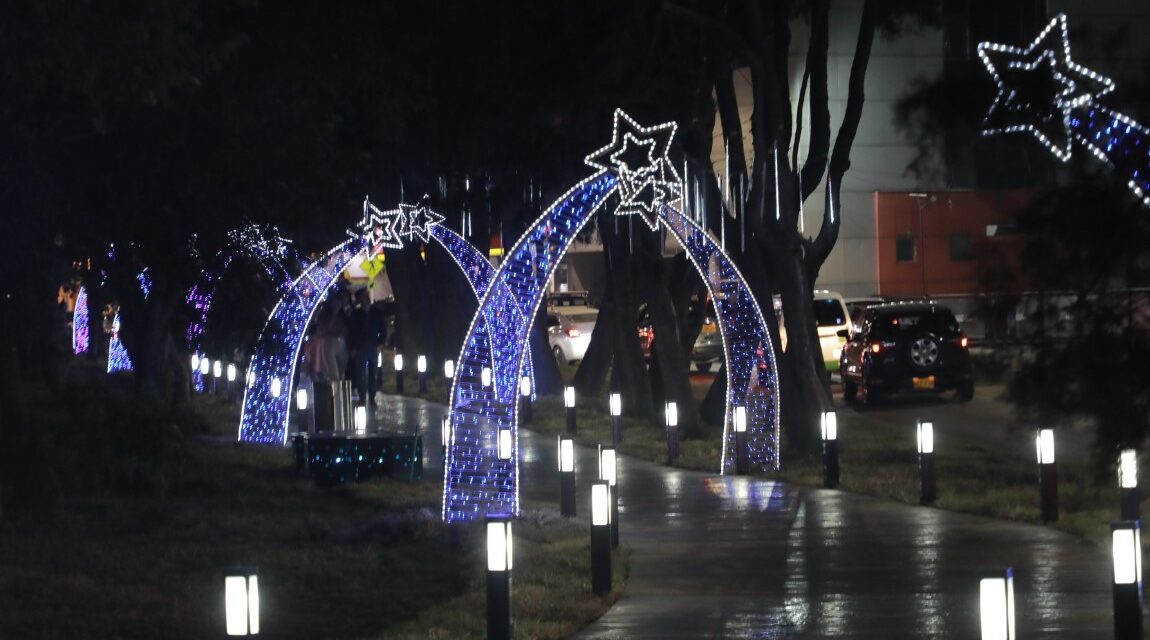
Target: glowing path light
(752,378)
(1041,91)
(636,166)
(80,323)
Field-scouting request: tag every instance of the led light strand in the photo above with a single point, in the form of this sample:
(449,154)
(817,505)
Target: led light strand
(1067,113)
(80,327)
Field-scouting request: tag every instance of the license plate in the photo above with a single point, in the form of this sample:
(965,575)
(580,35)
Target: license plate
(923,384)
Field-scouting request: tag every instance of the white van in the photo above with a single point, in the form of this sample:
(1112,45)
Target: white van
(830,317)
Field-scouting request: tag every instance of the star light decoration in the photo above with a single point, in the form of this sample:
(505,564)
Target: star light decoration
(1038,88)
(389,229)
(640,156)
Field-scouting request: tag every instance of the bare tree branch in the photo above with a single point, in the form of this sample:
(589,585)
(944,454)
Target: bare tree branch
(812,172)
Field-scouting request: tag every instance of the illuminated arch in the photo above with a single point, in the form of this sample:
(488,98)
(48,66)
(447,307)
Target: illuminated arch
(265,414)
(80,328)
(476,480)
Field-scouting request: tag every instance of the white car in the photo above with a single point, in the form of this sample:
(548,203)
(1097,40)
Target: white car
(569,332)
(830,318)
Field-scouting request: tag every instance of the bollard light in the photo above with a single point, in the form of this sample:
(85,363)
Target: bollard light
(525,398)
(608,470)
(205,366)
(231,373)
(449,369)
(600,537)
(1126,549)
(671,414)
(301,399)
(1130,498)
(996,605)
(739,425)
(397,362)
(615,404)
(217,369)
(485,377)
(421,364)
(1047,475)
(276,387)
(242,601)
(379,360)
(500,559)
(928,487)
(504,443)
(566,464)
(829,426)
(361,419)
(569,403)
(195,362)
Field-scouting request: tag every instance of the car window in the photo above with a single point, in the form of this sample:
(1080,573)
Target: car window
(829,313)
(583,317)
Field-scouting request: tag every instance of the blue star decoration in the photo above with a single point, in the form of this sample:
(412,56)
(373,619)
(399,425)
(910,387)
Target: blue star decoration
(640,157)
(1038,86)
(389,229)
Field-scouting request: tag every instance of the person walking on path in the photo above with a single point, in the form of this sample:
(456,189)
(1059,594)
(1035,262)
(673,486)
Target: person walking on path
(363,340)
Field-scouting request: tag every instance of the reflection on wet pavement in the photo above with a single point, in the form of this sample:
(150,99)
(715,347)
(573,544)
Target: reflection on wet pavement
(735,557)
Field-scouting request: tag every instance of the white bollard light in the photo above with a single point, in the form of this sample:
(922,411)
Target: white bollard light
(276,387)
(996,605)
(448,369)
(242,601)
(301,399)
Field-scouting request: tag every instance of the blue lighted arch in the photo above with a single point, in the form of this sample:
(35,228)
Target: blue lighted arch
(80,328)
(476,481)
(272,369)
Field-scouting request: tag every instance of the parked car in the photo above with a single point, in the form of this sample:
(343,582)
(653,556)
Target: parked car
(569,333)
(902,346)
(708,347)
(830,318)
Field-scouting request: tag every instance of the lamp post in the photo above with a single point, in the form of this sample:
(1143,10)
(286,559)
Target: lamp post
(672,417)
(569,403)
(242,601)
(608,470)
(566,476)
(928,489)
(398,363)
(231,382)
(301,404)
(829,425)
(600,537)
(739,422)
(421,369)
(503,445)
(1128,484)
(1126,543)
(1047,474)
(996,605)
(217,373)
(525,398)
(615,404)
(499,563)
(361,419)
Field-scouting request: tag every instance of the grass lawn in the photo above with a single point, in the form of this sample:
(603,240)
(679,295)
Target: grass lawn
(368,560)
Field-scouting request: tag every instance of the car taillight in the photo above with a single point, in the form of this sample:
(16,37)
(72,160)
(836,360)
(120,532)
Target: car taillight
(963,342)
(572,332)
(875,347)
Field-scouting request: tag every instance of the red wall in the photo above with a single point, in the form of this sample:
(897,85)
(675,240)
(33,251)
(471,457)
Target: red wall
(930,219)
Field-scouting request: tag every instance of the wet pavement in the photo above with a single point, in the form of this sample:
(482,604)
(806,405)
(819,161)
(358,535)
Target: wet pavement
(733,557)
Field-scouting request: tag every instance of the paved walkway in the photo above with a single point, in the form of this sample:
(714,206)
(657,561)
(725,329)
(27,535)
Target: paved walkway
(731,557)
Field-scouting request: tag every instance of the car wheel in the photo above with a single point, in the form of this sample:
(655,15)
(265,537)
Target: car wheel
(965,392)
(559,359)
(702,367)
(850,391)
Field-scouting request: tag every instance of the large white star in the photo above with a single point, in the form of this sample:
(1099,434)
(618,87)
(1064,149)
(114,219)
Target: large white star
(390,228)
(1038,87)
(641,158)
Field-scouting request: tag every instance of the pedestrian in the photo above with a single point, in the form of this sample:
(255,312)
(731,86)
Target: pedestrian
(363,340)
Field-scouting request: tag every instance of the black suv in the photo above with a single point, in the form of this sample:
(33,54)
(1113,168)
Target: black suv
(906,347)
